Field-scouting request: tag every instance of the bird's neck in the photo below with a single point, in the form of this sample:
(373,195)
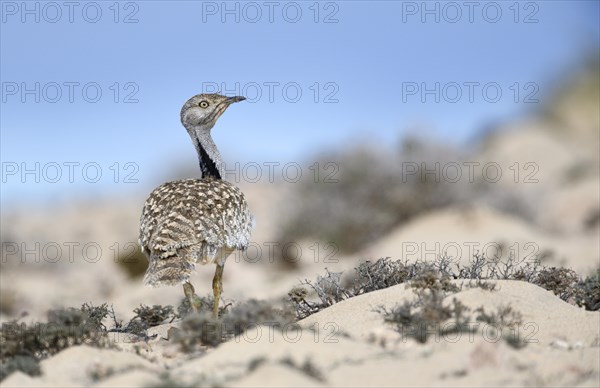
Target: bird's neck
(208,155)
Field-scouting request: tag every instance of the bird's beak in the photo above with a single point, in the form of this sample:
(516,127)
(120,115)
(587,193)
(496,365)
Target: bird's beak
(231,100)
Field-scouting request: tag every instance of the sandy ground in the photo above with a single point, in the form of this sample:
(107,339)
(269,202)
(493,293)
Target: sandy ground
(348,344)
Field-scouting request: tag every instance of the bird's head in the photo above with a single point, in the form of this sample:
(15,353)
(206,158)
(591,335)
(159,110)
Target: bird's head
(203,110)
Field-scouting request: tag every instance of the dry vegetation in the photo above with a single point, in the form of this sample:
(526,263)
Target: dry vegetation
(427,316)
(202,329)
(24,345)
(436,276)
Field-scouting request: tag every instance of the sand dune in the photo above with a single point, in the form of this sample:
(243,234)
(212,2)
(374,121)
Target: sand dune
(349,344)
(460,232)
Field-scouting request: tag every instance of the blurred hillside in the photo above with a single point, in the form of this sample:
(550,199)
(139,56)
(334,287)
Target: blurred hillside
(542,170)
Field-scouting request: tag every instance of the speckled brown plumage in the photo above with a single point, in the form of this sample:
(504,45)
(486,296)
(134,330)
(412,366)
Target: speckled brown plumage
(193,221)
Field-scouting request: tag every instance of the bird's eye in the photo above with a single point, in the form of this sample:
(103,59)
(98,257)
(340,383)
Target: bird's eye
(203,104)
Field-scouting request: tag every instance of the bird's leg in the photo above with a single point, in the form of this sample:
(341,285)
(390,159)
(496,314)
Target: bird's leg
(190,294)
(217,288)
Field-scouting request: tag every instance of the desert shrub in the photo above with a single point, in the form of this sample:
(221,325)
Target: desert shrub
(475,269)
(383,273)
(427,315)
(198,329)
(329,290)
(24,345)
(25,364)
(369,277)
(505,316)
(155,315)
(589,297)
(567,285)
(203,329)
(481,267)
(254,312)
(298,297)
(506,320)
(561,281)
(438,275)
(144,318)
(136,327)
(431,279)
(484,285)
(97,314)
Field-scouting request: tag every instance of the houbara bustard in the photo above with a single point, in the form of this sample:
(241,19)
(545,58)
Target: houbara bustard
(193,221)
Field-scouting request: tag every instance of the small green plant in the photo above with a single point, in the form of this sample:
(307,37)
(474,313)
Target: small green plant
(427,315)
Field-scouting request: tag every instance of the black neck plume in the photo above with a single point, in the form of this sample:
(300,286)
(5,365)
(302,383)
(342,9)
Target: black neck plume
(207,165)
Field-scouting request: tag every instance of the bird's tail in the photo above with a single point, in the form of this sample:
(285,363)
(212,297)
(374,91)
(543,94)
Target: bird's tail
(167,271)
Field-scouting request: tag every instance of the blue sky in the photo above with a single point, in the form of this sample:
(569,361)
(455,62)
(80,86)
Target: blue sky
(365,61)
